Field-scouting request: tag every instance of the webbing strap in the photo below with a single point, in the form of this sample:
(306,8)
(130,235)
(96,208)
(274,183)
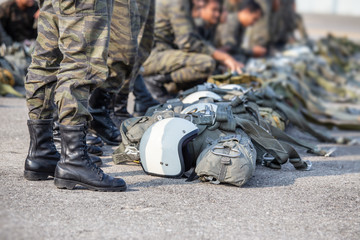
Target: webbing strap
(301,123)
(282,136)
(225,161)
(281,151)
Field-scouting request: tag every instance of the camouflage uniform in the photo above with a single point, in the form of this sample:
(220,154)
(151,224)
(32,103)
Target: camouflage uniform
(69,58)
(259,33)
(207,33)
(131,40)
(231,34)
(179,50)
(282,23)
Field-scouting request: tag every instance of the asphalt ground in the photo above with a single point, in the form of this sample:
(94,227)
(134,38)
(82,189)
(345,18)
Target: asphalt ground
(323,203)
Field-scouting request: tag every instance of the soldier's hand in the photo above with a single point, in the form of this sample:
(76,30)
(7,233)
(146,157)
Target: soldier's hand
(228,61)
(259,51)
(36,15)
(233,65)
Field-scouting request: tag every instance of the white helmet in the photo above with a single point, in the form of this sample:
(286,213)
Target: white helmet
(163,145)
(196,96)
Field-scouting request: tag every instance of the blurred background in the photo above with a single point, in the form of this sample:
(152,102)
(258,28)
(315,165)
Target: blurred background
(339,16)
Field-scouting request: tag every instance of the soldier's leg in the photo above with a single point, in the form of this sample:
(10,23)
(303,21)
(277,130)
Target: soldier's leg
(123,48)
(176,66)
(83,41)
(197,68)
(143,98)
(46,57)
(40,81)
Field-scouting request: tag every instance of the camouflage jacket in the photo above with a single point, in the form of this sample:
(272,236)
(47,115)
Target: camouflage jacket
(231,35)
(175,28)
(206,32)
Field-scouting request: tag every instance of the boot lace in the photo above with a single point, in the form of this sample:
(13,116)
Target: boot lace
(89,163)
(96,169)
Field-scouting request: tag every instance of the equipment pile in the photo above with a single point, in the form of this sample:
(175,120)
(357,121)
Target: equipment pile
(222,128)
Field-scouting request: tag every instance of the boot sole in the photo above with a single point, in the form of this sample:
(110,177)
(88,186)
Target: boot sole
(70,185)
(37,176)
(108,142)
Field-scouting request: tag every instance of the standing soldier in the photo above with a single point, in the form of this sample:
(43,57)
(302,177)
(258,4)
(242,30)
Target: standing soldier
(131,40)
(68,62)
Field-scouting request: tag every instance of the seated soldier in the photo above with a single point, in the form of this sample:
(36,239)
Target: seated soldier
(230,35)
(282,24)
(260,33)
(180,56)
(17,18)
(208,19)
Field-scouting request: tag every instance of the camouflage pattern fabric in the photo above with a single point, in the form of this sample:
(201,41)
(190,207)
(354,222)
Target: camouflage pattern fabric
(179,49)
(183,67)
(259,33)
(69,58)
(282,23)
(231,34)
(131,41)
(206,31)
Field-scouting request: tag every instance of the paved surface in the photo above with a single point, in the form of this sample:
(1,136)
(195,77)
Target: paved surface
(320,204)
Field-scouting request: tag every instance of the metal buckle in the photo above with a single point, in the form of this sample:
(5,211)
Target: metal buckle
(224,154)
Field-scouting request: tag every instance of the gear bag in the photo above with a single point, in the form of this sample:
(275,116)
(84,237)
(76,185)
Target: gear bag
(230,159)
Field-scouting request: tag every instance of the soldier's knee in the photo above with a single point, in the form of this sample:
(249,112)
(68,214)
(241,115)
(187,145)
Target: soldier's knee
(208,65)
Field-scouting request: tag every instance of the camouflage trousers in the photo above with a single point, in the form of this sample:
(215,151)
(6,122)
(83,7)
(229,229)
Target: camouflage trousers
(183,67)
(131,40)
(69,58)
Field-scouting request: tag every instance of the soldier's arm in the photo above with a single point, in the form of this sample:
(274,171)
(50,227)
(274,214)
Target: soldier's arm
(186,36)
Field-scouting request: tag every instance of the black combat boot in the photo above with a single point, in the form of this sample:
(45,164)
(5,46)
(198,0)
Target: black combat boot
(75,167)
(94,140)
(120,112)
(143,99)
(42,158)
(93,150)
(155,85)
(102,125)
